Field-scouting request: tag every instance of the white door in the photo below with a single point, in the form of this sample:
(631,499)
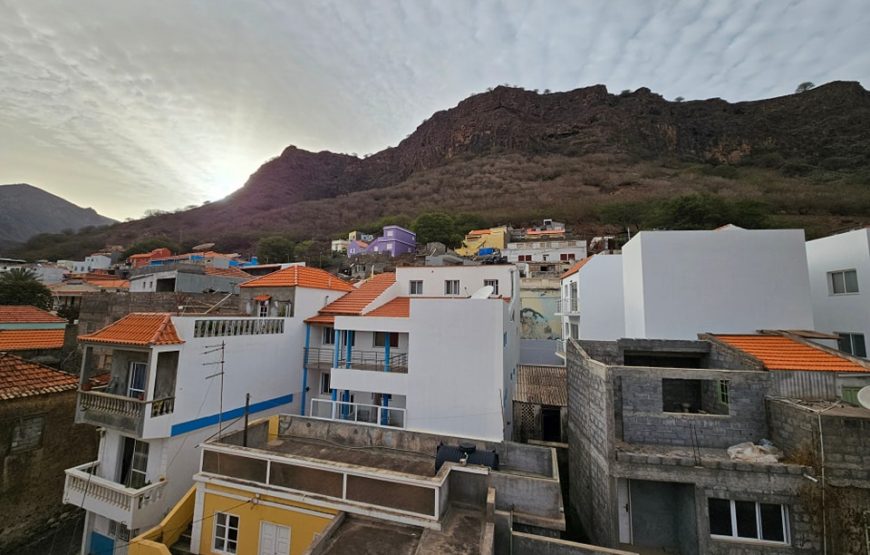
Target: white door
(274,539)
(623,497)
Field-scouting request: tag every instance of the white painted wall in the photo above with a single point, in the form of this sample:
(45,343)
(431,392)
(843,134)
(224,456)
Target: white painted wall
(681,283)
(600,295)
(552,250)
(848,313)
(471,279)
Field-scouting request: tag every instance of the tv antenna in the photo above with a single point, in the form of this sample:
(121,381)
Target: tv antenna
(214,349)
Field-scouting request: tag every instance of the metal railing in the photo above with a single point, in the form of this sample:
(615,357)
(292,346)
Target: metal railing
(83,483)
(568,306)
(375,360)
(376,415)
(318,358)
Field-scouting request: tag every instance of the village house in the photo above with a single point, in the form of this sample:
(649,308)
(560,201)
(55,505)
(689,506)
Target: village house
(394,241)
(31,333)
(839,268)
(38,440)
(669,452)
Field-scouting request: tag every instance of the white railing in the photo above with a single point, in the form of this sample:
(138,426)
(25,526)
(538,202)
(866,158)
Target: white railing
(115,404)
(561,347)
(132,507)
(361,413)
(567,306)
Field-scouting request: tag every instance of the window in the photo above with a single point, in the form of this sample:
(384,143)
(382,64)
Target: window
(493,283)
(416,287)
(524,258)
(328,336)
(566,256)
(723,392)
(136,380)
(843,282)
(121,532)
(226,532)
(324,383)
(27,434)
(692,396)
(135,459)
(852,343)
(264,309)
(380,339)
(575,331)
(451,287)
(748,520)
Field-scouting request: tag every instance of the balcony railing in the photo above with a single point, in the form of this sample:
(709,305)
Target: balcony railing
(318,358)
(375,360)
(119,411)
(135,508)
(376,415)
(567,306)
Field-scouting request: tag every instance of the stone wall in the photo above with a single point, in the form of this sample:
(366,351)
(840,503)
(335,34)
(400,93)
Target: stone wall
(101,309)
(590,435)
(32,481)
(645,421)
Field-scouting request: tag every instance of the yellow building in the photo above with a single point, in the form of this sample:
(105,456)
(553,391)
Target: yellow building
(476,239)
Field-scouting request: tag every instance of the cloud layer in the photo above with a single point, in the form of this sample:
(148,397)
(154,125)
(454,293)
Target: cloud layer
(126,106)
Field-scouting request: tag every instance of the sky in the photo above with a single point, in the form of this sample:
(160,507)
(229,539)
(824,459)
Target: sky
(128,106)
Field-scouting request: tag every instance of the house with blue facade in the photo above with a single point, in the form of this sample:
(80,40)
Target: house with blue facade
(394,241)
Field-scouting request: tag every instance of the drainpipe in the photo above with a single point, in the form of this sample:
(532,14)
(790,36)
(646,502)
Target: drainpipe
(305,367)
(385,402)
(337,341)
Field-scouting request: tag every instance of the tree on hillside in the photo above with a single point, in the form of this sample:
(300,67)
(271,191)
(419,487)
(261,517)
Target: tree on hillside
(149,244)
(804,87)
(436,227)
(19,286)
(679,99)
(274,249)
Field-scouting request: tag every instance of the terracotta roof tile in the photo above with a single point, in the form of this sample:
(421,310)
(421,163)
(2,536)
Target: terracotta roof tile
(575,267)
(109,283)
(355,302)
(783,353)
(232,271)
(301,276)
(542,385)
(325,319)
(400,307)
(138,328)
(31,340)
(27,314)
(21,378)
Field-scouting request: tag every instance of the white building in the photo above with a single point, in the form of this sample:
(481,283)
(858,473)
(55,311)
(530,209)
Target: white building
(96,261)
(839,268)
(172,381)
(339,245)
(676,284)
(419,350)
(546,251)
(593,287)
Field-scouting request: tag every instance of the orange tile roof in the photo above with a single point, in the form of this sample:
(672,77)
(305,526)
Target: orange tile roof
(479,232)
(21,378)
(400,307)
(301,276)
(31,340)
(138,328)
(575,267)
(327,319)
(26,314)
(783,353)
(355,302)
(232,271)
(109,283)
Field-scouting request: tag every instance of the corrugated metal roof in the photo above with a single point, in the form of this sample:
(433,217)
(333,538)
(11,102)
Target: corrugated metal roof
(542,385)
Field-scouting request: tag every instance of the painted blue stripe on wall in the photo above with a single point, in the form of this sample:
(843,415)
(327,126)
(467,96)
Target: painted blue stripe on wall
(205,421)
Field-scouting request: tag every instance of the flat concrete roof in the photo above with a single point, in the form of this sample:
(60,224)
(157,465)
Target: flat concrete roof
(375,457)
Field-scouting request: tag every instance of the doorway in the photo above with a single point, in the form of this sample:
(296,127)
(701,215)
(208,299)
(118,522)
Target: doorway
(274,539)
(551,424)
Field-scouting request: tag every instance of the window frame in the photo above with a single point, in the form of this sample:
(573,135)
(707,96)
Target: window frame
(832,282)
(451,287)
(227,527)
(394,338)
(327,336)
(263,309)
(415,287)
(325,383)
(17,426)
(493,283)
(850,337)
(784,520)
(724,392)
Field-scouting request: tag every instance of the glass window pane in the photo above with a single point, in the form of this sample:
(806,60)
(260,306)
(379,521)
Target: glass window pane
(221,519)
(838,283)
(233,535)
(859,349)
(720,517)
(844,342)
(771,523)
(747,525)
(851,278)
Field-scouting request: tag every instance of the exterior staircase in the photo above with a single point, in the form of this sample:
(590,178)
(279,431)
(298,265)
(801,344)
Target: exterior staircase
(182,546)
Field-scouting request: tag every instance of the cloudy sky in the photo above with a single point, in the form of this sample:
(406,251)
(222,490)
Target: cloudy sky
(133,105)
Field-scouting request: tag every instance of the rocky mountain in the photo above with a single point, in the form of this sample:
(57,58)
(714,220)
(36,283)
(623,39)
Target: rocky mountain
(514,155)
(26,211)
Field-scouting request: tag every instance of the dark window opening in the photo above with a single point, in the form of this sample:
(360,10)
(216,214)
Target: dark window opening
(551,423)
(165,285)
(694,396)
(664,360)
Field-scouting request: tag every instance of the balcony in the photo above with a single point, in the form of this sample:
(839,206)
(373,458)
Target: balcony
(567,307)
(323,358)
(120,412)
(361,413)
(135,508)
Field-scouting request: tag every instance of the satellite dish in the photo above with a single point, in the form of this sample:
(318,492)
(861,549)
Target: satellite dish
(203,247)
(864,397)
(483,293)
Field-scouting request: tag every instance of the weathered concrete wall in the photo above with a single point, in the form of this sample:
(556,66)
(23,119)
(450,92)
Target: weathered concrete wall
(31,482)
(541,545)
(590,435)
(644,421)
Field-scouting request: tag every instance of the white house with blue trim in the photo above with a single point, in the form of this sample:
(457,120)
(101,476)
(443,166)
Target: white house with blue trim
(172,382)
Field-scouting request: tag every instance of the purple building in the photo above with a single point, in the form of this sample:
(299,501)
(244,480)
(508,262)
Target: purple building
(395,240)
